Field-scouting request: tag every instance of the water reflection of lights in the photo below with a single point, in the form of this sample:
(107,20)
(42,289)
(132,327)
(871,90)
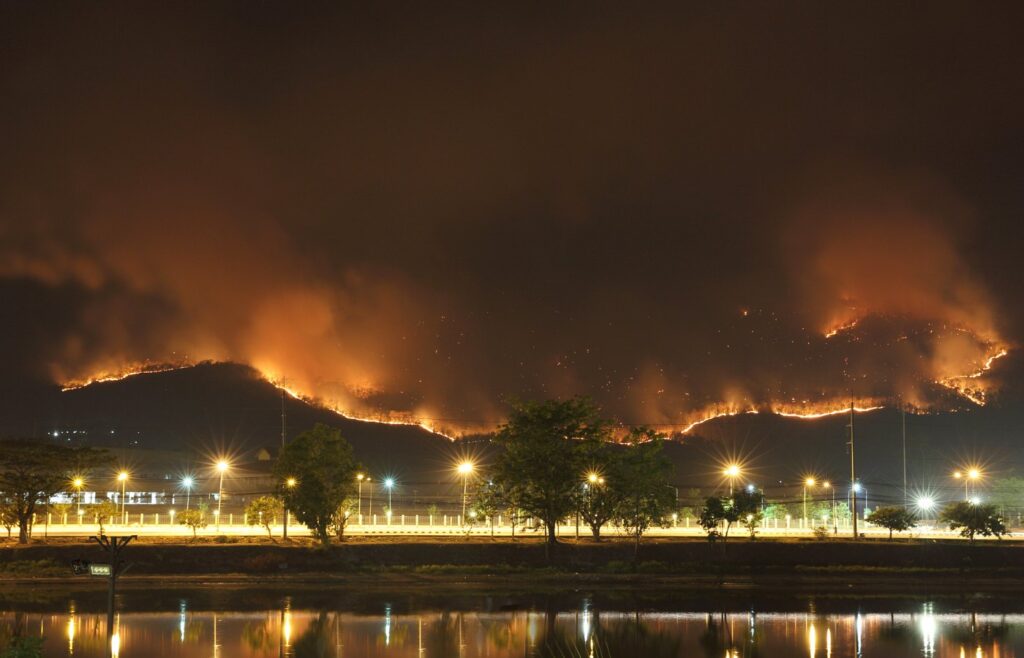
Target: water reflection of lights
(585,621)
(115,638)
(387,625)
(928,630)
(812,640)
(286,628)
(828,643)
(182,609)
(859,625)
(71,634)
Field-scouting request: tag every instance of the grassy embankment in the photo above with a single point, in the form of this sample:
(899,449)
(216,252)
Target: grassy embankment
(764,562)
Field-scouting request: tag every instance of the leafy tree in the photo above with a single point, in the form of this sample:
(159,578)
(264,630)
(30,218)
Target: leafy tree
(746,508)
(194,518)
(599,487)
(489,500)
(262,511)
(342,516)
(642,477)
(34,471)
(543,447)
(104,513)
(322,464)
(711,516)
(973,520)
(892,518)
(8,515)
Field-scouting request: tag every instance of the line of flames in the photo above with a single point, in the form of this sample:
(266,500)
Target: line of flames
(798,411)
(958,383)
(833,409)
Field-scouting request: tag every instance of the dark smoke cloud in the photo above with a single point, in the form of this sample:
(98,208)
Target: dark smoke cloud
(423,213)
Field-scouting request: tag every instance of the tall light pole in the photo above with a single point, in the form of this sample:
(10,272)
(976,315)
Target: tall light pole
(122,477)
(186,484)
(809,482)
(853,477)
(465,469)
(78,482)
(973,475)
(732,471)
(290,483)
(835,524)
(222,467)
(359,508)
(369,506)
(389,484)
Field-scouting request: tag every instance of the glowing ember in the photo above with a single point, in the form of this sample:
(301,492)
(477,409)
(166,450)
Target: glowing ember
(838,329)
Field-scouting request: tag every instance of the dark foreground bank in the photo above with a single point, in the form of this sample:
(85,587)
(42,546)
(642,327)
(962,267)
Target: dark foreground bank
(943,563)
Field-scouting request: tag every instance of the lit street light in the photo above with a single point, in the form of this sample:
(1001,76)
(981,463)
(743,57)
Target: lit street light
(835,523)
(809,482)
(186,484)
(78,482)
(222,467)
(389,484)
(359,508)
(732,471)
(122,477)
(290,483)
(969,476)
(465,469)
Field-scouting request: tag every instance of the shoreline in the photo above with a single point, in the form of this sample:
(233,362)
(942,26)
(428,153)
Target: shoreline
(812,566)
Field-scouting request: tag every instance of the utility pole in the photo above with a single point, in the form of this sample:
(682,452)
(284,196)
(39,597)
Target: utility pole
(284,436)
(903,423)
(853,476)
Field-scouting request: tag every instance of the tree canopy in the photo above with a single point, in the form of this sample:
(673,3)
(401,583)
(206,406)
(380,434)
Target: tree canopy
(542,458)
(974,519)
(893,518)
(324,470)
(33,471)
(645,497)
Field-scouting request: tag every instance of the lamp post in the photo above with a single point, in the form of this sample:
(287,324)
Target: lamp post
(359,508)
(369,506)
(290,483)
(122,477)
(809,482)
(835,523)
(186,483)
(732,471)
(465,468)
(78,482)
(389,484)
(222,467)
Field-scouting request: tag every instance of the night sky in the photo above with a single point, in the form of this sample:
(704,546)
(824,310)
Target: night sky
(425,211)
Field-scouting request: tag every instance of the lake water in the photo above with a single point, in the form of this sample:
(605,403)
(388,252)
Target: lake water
(337,622)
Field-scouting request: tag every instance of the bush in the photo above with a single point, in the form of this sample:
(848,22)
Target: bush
(821,533)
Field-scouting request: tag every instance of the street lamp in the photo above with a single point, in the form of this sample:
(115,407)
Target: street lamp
(186,484)
(122,477)
(969,476)
(290,483)
(78,482)
(389,484)
(465,469)
(359,508)
(222,467)
(809,482)
(732,471)
(835,522)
